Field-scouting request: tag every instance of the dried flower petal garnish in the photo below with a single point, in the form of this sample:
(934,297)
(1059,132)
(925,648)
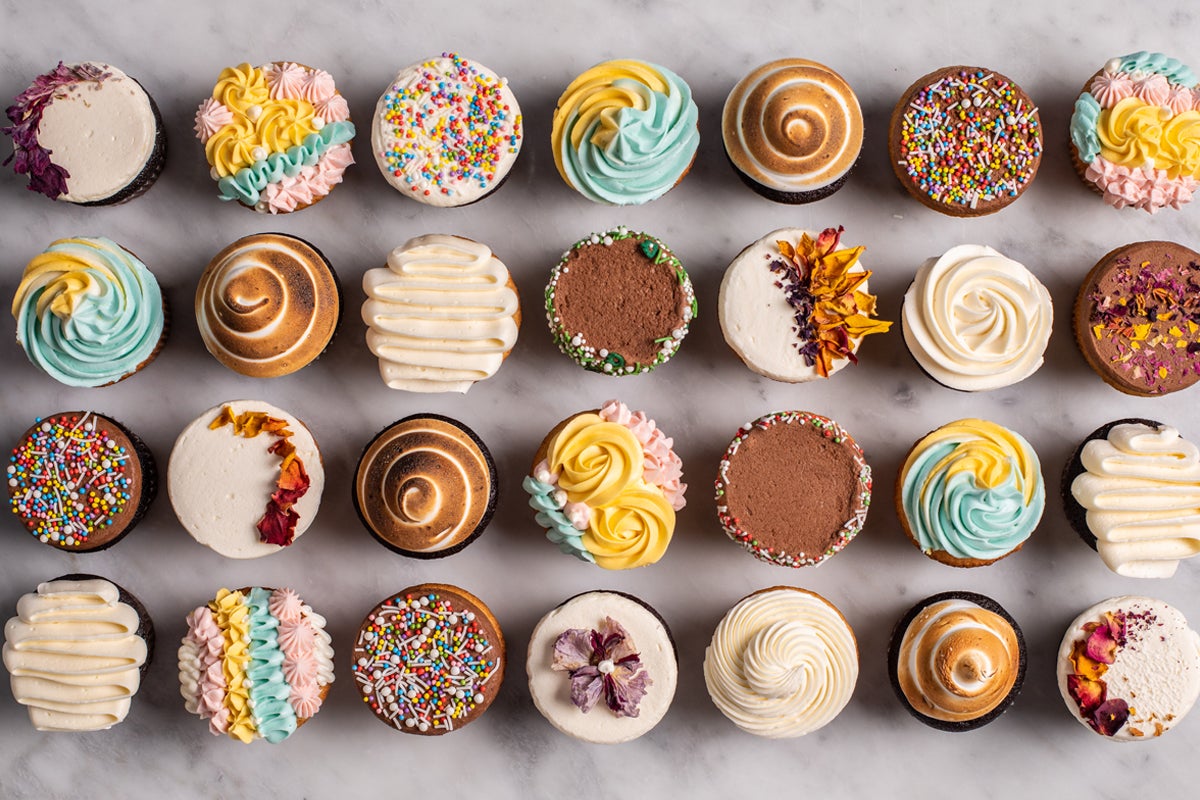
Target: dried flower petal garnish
(602,663)
(1090,658)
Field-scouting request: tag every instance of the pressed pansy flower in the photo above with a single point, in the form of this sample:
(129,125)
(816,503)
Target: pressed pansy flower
(602,664)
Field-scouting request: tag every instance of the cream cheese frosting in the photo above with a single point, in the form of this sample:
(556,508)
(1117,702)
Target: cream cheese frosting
(74,655)
(782,663)
(975,319)
(1141,489)
(441,316)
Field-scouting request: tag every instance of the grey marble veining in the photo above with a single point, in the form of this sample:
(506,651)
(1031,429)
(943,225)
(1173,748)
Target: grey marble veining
(1058,229)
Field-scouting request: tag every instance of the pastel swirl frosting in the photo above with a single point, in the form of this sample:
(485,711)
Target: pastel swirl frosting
(442,315)
(1141,489)
(424,485)
(88,312)
(793,125)
(267,305)
(782,663)
(973,490)
(977,320)
(957,661)
(74,655)
(624,132)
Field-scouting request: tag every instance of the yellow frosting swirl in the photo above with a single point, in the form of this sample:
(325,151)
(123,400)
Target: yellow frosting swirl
(634,530)
(986,451)
(1131,132)
(232,147)
(595,460)
(284,124)
(241,87)
(261,125)
(233,617)
(1180,147)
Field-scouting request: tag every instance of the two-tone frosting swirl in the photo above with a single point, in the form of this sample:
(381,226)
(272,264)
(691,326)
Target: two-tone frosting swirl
(88,312)
(624,132)
(75,655)
(793,125)
(782,663)
(957,661)
(1141,489)
(425,485)
(973,490)
(267,305)
(976,320)
(442,315)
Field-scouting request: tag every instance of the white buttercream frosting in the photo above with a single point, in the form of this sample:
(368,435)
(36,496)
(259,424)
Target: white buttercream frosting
(782,663)
(975,319)
(1141,489)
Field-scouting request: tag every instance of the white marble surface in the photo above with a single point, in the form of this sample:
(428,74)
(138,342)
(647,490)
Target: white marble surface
(1058,229)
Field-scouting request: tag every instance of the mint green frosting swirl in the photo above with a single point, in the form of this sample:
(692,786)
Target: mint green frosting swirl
(109,316)
(652,149)
(273,714)
(1175,70)
(550,516)
(954,514)
(1083,127)
(247,183)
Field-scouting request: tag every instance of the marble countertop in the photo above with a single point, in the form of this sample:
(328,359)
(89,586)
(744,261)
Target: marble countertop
(1058,229)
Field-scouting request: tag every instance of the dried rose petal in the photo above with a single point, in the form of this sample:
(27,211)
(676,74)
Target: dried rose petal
(1110,716)
(1101,646)
(1088,694)
(1084,666)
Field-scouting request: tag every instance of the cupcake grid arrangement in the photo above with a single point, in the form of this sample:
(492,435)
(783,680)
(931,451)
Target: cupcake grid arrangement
(606,483)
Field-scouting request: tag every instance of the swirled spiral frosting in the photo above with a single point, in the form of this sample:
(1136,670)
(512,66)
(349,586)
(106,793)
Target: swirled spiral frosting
(782,663)
(625,132)
(972,490)
(88,312)
(267,305)
(425,485)
(976,320)
(793,125)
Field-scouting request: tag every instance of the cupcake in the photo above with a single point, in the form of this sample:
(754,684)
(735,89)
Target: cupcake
(624,132)
(77,651)
(957,660)
(782,663)
(619,302)
(442,315)
(268,305)
(970,493)
(256,663)
(606,485)
(603,667)
(1134,137)
(277,137)
(245,499)
(80,481)
(793,488)
(446,131)
(796,309)
(976,320)
(429,660)
(425,486)
(89,312)
(1129,668)
(965,141)
(793,130)
(1130,491)
(87,134)
(1137,318)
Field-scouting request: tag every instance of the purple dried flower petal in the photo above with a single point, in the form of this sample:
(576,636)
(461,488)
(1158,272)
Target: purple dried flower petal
(572,650)
(625,687)
(587,686)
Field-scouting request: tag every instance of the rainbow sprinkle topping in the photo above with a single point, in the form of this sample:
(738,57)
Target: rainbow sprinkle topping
(67,479)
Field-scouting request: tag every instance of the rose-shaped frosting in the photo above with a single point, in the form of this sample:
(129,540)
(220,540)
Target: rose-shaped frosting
(1110,88)
(782,663)
(233,147)
(238,88)
(1180,146)
(633,531)
(973,490)
(595,461)
(976,320)
(624,132)
(88,312)
(661,465)
(1130,132)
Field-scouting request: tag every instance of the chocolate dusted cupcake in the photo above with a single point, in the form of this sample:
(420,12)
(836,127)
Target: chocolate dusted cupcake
(793,130)
(793,488)
(1130,491)
(429,659)
(957,660)
(619,302)
(425,486)
(1137,318)
(80,481)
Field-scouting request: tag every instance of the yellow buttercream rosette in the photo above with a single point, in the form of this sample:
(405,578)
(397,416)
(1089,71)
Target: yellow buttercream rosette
(1134,134)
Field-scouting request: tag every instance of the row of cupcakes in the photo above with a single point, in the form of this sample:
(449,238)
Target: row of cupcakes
(257,663)
(965,141)
(792,487)
(444,313)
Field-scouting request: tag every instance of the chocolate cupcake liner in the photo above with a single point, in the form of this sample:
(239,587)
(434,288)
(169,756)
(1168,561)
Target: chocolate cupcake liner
(150,172)
(793,198)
